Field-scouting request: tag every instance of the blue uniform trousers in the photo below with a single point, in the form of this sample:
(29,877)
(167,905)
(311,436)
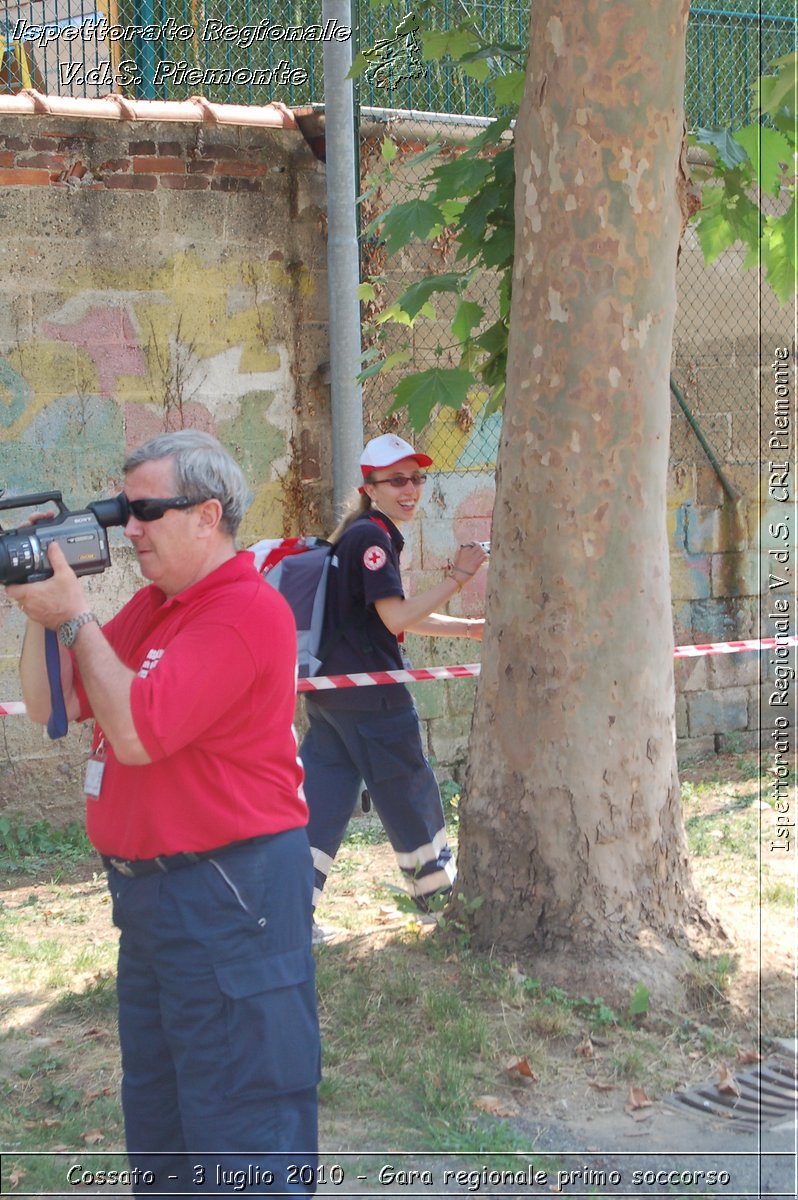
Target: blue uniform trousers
(382,748)
(217,1021)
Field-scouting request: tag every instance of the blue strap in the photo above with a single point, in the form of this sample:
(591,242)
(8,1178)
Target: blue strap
(57,723)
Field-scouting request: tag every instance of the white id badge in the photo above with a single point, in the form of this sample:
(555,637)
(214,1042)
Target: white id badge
(93,779)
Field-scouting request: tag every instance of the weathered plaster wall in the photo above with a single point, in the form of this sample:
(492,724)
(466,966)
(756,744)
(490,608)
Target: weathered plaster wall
(153,277)
(161,275)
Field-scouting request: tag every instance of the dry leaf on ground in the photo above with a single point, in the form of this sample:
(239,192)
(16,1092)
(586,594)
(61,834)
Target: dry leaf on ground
(520,1066)
(584,1049)
(637,1099)
(726,1082)
(495,1107)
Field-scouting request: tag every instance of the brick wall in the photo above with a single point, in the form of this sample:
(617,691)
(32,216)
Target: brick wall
(59,158)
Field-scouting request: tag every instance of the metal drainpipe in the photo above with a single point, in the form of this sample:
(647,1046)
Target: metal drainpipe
(343,258)
(728,488)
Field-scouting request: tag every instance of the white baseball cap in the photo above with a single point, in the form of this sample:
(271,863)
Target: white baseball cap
(386,450)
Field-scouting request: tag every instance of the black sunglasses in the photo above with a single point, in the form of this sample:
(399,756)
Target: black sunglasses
(153,510)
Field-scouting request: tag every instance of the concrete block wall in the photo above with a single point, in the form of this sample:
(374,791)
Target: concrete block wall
(727,326)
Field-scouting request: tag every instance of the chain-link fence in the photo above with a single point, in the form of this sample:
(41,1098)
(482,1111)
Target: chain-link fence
(253,51)
(716,343)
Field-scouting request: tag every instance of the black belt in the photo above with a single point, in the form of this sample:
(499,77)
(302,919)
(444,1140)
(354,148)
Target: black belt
(135,868)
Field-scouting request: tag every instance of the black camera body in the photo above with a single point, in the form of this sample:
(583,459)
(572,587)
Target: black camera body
(81,536)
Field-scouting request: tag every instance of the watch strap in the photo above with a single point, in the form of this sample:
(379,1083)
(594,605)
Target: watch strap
(68,631)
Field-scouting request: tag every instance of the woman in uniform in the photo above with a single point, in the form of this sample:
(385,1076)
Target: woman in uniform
(373,733)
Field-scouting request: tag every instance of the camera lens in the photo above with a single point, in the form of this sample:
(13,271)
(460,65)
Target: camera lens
(19,555)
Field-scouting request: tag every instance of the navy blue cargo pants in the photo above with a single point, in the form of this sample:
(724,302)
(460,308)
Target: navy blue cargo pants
(383,748)
(217,1021)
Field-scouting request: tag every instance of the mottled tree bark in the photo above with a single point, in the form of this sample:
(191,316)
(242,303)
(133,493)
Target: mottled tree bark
(571,823)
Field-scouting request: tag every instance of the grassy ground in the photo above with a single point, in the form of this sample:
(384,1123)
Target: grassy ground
(425,1045)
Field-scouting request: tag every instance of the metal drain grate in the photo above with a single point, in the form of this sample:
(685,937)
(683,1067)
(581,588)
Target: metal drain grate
(768,1097)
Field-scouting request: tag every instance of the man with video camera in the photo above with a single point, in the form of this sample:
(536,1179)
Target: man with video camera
(194,800)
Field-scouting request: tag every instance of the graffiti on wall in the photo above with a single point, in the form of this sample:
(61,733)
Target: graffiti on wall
(121,357)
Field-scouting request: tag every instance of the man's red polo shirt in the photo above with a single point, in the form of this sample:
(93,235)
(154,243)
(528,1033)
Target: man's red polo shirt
(213,704)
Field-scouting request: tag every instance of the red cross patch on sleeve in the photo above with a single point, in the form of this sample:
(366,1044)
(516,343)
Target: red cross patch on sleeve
(374,558)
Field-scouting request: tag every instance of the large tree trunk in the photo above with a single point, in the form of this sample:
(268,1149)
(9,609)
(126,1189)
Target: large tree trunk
(571,825)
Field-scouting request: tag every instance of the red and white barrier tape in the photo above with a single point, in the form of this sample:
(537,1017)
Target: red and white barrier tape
(323,683)
(734,647)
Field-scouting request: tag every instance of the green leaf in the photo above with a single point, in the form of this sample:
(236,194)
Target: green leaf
(396,314)
(774,92)
(767,150)
(479,208)
(454,43)
(509,89)
(714,229)
(422,392)
(460,177)
(475,68)
(388,150)
(405,223)
(495,400)
(500,248)
(504,170)
(779,254)
(640,1001)
(494,339)
(505,287)
(366,291)
(359,66)
(493,133)
(413,299)
(467,317)
(385,364)
(451,210)
(731,152)
(470,357)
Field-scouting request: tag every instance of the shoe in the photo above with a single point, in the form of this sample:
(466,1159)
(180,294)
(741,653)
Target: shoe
(319,935)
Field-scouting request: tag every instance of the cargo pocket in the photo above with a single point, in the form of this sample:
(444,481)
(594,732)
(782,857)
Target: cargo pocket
(392,744)
(272,1027)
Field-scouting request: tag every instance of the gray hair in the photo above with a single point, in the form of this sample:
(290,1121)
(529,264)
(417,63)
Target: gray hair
(204,470)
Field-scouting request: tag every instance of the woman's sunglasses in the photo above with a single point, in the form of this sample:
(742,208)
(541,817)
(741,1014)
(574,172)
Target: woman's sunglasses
(153,510)
(400,481)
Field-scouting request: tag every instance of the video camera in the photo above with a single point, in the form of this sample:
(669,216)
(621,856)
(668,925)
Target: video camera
(81,536)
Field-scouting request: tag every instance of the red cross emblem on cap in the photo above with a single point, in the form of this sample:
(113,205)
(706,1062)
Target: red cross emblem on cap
(374,558)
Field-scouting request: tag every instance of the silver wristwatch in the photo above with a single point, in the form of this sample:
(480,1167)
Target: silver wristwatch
(69,630)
